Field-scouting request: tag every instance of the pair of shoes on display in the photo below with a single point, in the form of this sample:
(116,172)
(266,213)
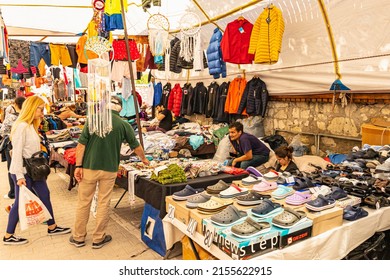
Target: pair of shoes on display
(96,245)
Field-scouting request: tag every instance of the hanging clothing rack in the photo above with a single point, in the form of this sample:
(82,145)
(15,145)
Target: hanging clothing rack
(229,13)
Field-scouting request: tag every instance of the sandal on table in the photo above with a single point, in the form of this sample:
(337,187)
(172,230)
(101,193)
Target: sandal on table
(282,192)
(266,209)
(298,198)
(321,203)
(214,205)
(228,216)
(250,228)
(252,198)
(289,218)
(376,202)
(352,213)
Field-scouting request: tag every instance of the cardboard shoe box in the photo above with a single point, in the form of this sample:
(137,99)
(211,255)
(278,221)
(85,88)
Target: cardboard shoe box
(181,212)
(290,236)
(349,200)
(197,217)
(325,220)
(240,248)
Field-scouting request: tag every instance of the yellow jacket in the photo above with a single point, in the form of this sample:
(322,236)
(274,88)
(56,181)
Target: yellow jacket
(266,38)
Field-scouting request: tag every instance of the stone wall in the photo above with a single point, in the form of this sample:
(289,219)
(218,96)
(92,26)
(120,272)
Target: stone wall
(322,118)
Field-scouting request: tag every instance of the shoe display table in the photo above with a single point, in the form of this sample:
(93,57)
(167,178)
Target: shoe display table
(155,193)
(333,244)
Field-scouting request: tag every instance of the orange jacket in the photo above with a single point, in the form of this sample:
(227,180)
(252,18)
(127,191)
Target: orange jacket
(235,92)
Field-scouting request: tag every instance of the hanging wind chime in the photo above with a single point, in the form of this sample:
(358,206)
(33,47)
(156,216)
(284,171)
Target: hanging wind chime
(99,86)
(158,32)
(190,42)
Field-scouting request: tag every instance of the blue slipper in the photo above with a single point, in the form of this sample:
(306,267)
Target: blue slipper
(352,213)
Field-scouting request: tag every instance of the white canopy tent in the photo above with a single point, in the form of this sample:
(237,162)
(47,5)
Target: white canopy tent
(307,65)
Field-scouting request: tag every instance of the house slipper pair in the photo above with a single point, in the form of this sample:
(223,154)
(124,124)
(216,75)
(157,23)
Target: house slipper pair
(217,188)
(250,228)
(321,203)
(376,202)
(214,205)
(338,193)
(352,213)
(282,192)
(289,218)
(252,198)
(299,198)
(228,216)
(302,183)
(266,209)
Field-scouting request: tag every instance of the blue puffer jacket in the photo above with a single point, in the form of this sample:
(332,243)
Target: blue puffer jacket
(214,56)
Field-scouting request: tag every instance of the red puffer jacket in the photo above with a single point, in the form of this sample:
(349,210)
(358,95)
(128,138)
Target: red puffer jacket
(174,101)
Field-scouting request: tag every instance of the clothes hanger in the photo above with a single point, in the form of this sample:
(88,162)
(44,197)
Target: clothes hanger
(240,16)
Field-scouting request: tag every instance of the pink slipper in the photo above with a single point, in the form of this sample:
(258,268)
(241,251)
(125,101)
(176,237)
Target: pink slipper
(298,198)
(265,186)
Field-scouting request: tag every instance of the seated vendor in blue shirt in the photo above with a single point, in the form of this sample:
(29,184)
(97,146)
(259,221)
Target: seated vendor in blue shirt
(248,149)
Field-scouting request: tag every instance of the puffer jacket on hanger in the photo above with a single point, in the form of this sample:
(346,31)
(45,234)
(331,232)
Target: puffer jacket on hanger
(217,66)
(174,101)
(267,35)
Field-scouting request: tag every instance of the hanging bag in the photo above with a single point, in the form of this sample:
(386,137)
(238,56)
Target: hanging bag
(4,143)
(37,166)
(31,209)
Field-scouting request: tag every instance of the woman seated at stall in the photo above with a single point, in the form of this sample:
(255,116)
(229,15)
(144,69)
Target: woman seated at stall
(68,112)
(284,160)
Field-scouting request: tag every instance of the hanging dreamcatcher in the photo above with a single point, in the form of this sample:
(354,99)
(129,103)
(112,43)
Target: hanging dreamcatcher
(158,30)
(99,85)
(190,36)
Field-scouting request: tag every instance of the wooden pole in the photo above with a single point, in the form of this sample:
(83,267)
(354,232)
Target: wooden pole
(131,76)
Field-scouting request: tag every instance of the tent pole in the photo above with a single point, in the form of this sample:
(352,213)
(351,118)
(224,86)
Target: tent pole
(221,16)
(331,38)
(131,76)
(206,15)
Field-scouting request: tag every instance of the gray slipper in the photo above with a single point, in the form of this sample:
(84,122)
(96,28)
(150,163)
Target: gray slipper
(228,216)
(250,228)
(289,218)
(193,202)
(217,188)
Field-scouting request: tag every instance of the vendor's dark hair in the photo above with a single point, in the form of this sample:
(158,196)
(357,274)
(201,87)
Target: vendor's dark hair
(160,104)
(284,151)
(19,101)
(238,126)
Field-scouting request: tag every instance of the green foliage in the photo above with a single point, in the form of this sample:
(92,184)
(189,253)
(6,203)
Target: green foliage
(170,175)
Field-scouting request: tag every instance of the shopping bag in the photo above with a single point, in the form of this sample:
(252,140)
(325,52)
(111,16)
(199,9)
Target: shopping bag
(152,232)
(31,209)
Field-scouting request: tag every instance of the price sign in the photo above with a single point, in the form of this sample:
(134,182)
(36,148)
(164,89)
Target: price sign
(171,212)
(191,228)
(209,234)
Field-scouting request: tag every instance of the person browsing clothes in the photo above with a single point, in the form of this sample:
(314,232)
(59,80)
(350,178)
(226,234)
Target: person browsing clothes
(5,130)
(25,142)
(97,162)
(248,149)
(285,161)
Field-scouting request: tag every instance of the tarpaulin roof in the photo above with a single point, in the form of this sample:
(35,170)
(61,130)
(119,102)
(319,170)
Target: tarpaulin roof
(323,40)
